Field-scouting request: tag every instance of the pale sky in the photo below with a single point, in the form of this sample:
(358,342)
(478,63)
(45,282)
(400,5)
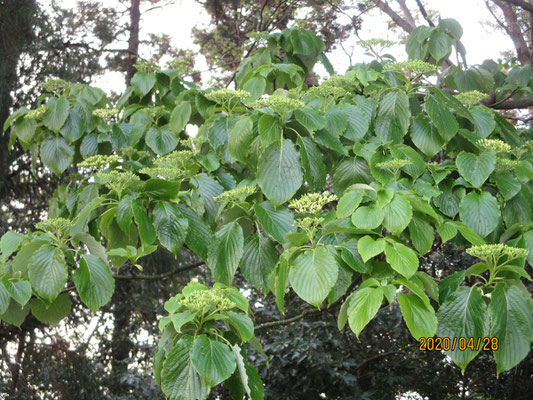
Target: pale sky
(481,42)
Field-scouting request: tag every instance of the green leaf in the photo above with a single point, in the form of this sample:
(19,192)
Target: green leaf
(358,122)
(94,281)
(397,214)
(313,274)
(449,285)
(22,259)
(469,234)
(476,169)
(484,120)
(441,117)
(269,129)
(258,260)
(424,135)
(145,226)
(124,214)
(225,252)
(279,173)
(56,154)
(303,42)
(369,248)
(179,378)
(528,237)
(311,119)
(349,172)
(161,140)
(314,167)
(15,314)
(240,139)
(199,235)
(422,234)
(179,117)
(447,231)
(74,126)
(420,321)
(481,212)
(243,324)
(511,322)
(440,44)
(9,243)
(48,272)
(56,113)
(255,86)
(53,313)
(364,305)
(4,299)
(392,120)
(336,120)
(402,259)
(368,217)
(463,315)
(161,189)
(276,222)
(142,83)
(507,184)
(180,319)
(20,291)
(213,360)
(170,227)
(348,203)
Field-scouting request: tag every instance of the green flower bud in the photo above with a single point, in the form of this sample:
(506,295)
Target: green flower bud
(312,203)
(237,194)
(413,67)
(54,225)
(494,144)
(37,113)
(280,104)
(470,98)
(98,161)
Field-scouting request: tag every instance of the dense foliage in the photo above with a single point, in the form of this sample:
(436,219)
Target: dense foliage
(335,191)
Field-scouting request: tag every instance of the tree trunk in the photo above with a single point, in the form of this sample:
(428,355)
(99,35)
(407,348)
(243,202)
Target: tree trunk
(513,28)
(133,42)
(15,33)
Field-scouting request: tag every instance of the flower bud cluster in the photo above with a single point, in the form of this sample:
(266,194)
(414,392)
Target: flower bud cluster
(470,98)
(216,299)
(98,161)
(376,42)
(394,164)
(37,113)
(55,85)
(224,96)
(506,164)
(130,152)
(497,145)
(237,194)
(58,225)
(312,203)
(280,104)
(308,224)
(118,181)
(105,114)
(415,67)
(146,66)
(175,159)
(156,112)
(181,65)
(340,81)
(327,91)
(492,252)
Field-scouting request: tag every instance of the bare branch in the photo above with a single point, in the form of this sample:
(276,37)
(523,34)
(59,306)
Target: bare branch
(406,12)
(165,275)
(424,13)
(515,33)
(402,23)
(521,3)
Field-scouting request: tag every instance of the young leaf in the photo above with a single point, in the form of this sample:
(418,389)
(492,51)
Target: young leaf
(476,168)
(420,321)
(481,212)
(213,360)
(225,252)
(402,259)
(364,305)
(48,272)
(51,313)
(94,281)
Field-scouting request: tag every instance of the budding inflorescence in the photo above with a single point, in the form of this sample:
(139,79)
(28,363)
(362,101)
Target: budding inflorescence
(491,253)
(496,145)
(506,164)
(98,161)
(37,113)
(308,224)
(415,67)
(237,194)
(208,300)
(325,91)
(280,104)
(223,96)
(470,98)
(341,82)
(54,225)
(105,113)
(312,203)
(118,181)
(56,85)
(146,66)
(393,165)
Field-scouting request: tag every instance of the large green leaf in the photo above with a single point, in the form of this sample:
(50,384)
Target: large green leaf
(511,322)
(358,122)
(314,168)
(48,272)
(277,222)
(225,252)
(313,274)
(243,324)
(199,234)
(392,121)
(269,129)
(397,214)
(440,44)
(279,173)
(336,120)
(142,83)
(363,306)
(476,169)
(484,120)
(145,226)
(420,321)
(171,228)
(441,117)
(240,139)
(424,135)
(368,217)
(179,117)
(20,290)
(402,259)
(56,113)
(258,260)
(368,247)
(311,119)
(348,203)
(56,154)
(463,315)
(51,313)
(481,212)
(179,378)
(94,281)
(74,126)
(213,360)
(422,234)
(9,243)
(161,140)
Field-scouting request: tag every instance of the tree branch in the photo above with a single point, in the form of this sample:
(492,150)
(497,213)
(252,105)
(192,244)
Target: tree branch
(402,23)
(515,33)
(521,3)
(406,12)
(165,275)
(424,13)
